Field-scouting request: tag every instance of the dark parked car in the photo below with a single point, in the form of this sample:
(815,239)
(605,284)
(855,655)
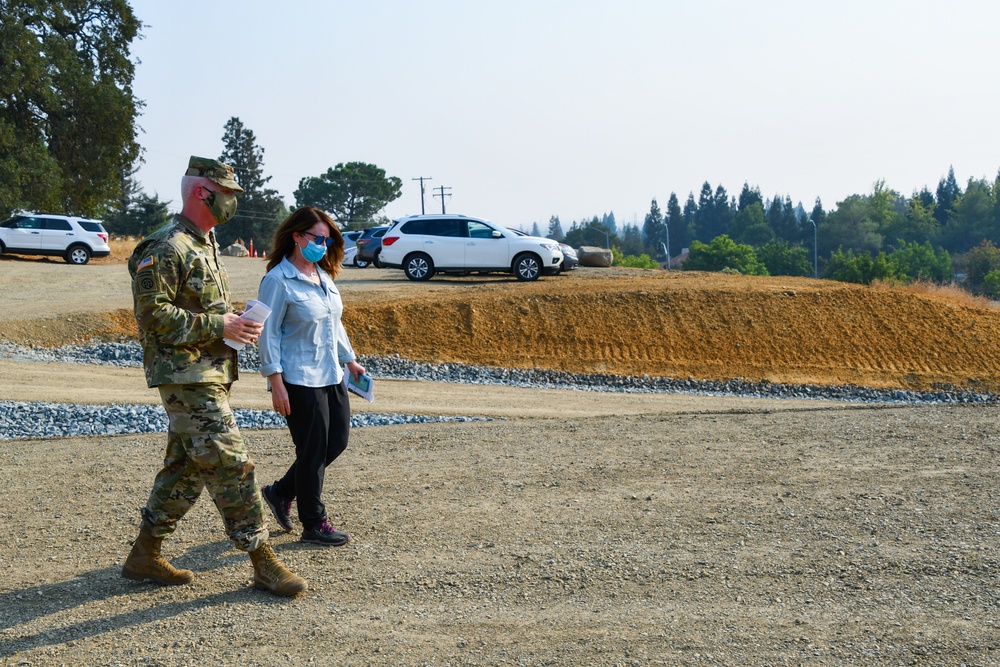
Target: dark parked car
(368,253)
(570,259)
(361,260)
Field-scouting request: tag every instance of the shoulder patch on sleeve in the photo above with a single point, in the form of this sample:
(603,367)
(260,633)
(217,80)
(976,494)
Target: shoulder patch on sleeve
(146,263)
(148,282)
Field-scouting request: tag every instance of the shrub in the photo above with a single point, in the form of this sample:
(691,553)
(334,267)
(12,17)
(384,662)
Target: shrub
(723,253)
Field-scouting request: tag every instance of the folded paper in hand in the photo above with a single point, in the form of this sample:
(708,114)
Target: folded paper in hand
(364,386)
(255,312)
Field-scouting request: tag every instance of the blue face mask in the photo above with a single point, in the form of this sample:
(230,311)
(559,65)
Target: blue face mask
(313,252)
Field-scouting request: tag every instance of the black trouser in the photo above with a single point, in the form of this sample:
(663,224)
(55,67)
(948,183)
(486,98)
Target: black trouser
(320,423)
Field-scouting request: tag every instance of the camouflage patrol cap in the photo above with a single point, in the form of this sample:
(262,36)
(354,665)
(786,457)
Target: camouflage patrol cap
(214,171)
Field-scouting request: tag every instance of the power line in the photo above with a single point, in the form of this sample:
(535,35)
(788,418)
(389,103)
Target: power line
(422,179)
(442,195)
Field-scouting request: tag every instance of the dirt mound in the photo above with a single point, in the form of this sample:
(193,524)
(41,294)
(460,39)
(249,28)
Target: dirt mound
(706,326)
(699,325)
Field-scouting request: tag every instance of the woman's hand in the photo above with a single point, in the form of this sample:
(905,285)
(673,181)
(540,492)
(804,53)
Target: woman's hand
(279,395)
(355,369)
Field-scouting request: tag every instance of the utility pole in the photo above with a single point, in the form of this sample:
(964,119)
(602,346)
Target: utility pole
(442,195)
(422,179)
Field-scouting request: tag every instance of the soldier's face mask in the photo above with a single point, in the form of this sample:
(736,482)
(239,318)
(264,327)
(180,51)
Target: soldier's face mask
(222,205)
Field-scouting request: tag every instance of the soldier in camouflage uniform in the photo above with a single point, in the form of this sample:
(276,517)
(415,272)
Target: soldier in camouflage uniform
(181,295)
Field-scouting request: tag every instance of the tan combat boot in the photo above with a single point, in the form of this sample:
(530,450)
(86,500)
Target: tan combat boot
(270,575)
(145,562)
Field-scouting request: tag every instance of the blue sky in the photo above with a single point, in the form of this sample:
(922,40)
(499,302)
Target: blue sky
(528,109)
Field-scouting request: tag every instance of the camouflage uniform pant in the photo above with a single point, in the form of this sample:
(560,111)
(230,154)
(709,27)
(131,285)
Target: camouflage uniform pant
(205,449)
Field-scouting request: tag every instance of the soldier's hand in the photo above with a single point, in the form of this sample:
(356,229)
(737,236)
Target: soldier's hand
(241,330)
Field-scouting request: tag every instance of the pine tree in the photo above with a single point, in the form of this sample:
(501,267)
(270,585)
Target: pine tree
(690,218)
(654,231)
(556,232)
(677,227)
(258,206)
(608,220)
(748,196)
(948,193)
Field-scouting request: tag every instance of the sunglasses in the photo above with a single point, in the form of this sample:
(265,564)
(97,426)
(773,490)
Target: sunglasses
(320,240)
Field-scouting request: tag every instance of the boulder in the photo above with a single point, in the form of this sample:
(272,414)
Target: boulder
(594,256)
(235,250)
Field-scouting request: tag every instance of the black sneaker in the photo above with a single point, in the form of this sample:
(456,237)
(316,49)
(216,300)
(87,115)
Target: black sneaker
(324,533)
(280,508)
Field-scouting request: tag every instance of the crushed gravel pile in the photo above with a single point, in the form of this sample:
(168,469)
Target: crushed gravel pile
(37,419)
(396,367)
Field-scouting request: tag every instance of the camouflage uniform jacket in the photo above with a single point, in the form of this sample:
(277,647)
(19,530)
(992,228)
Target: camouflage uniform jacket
(181,292)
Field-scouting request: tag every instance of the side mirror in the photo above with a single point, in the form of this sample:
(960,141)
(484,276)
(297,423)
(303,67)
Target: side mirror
(496,234)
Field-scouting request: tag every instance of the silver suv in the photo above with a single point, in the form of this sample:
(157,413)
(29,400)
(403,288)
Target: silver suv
(423,245)
(72,238)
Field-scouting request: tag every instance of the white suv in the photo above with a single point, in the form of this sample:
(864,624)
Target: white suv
(74,239)
(422,245)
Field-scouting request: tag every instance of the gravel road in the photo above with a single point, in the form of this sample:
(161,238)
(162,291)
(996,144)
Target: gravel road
(576,529)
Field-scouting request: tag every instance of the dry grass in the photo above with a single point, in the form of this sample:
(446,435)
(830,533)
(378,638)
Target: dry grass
(121,248)
(951,293)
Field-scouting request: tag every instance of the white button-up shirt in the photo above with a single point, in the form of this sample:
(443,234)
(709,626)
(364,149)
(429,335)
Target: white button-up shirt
(303,338)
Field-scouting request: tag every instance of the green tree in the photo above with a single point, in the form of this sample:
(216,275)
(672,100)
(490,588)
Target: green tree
(916,261)
(714,215)
(556,232)
(654,231)
(589,233)
(721,254)
(257,215)
(706,225)
(859,268)
(750,227)
(991,284)
(781,259)
(677,227)
(948,193)
(850,226)
(691,218)
(353,192)
(782,219)
(749,196)
(630,242)
(972,218)
(980,262)
(917,225)
(608,220)
(144,214)
(67,110)
(882,205)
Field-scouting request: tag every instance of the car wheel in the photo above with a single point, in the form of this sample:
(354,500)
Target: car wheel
(418,267)
(527,267)
(376,262)
(78,254)
(360,263)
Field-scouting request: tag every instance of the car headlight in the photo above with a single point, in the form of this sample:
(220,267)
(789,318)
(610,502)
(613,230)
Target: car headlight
(551,247)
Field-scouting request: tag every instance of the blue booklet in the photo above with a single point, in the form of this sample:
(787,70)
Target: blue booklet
(364,386)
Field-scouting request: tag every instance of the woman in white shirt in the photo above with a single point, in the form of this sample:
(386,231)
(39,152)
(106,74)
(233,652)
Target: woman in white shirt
(303,349)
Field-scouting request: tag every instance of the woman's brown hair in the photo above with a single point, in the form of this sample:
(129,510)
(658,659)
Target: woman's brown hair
(298,222)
